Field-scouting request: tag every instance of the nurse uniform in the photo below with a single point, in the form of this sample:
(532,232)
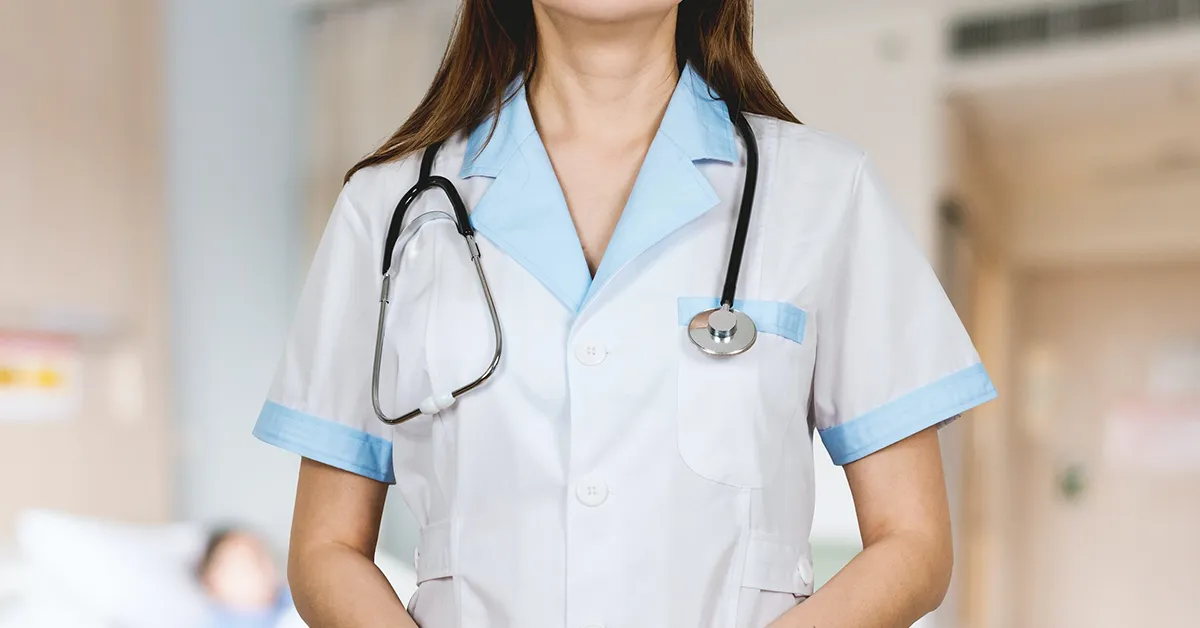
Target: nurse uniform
(610,474)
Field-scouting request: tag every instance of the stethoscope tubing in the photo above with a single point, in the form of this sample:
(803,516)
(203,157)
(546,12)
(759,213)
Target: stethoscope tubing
(742,229)
(435,401)
(399,236)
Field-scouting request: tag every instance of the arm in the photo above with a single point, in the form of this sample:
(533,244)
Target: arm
(331,567)
(904,569)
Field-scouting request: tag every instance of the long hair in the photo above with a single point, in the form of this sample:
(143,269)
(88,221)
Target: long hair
(494,43)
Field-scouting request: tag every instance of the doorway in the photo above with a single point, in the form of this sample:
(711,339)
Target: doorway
(1104,528)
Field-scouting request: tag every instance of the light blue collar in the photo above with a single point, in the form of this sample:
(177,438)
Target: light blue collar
(525,214)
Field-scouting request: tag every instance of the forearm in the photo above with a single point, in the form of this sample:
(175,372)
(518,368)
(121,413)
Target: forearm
(890,584)
(335,586)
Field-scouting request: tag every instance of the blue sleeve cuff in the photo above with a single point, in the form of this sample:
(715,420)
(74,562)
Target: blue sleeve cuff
(923,408)
(326,442)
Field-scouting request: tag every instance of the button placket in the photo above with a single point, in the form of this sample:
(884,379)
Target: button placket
(586,378)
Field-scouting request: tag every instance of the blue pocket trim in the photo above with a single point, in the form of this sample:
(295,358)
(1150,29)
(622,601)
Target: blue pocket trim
(923,408)
(777,318)
(327,442)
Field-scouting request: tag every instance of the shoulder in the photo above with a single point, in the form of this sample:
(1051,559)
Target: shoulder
(367,201)
(788,146)
(377,189)
(816,174)
(371,187)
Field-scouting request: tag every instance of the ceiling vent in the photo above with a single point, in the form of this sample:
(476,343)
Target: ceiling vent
(999,31)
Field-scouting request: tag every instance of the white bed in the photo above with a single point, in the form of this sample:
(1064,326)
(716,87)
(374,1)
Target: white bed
(72,572)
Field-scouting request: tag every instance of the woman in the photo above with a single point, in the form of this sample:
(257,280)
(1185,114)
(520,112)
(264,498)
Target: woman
(609,473)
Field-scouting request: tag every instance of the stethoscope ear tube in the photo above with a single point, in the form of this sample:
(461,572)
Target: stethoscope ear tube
(427,182)
(439,400)
(399,236)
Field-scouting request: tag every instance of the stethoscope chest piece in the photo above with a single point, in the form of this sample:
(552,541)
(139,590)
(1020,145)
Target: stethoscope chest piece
(722,331)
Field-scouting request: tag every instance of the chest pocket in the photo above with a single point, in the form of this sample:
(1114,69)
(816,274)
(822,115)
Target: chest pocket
(734,411)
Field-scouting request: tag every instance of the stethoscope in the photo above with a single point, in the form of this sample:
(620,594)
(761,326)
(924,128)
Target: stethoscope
(721,331)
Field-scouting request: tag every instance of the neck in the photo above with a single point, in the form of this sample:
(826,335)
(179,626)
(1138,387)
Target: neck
(608,82)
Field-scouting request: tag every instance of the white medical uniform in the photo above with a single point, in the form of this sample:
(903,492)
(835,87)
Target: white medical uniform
(610,474)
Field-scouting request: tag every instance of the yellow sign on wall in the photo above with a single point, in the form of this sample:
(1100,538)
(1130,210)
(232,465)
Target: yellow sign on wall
(39,377)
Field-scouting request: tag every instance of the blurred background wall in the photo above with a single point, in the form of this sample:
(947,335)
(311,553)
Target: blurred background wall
(86,418)
(168,166)
(235,107)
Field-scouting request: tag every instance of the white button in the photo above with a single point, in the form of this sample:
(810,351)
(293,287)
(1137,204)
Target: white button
(590,353)
(591,492)
(593,626)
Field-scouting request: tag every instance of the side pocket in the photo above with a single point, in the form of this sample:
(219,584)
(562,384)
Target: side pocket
(777,577)
(433,605)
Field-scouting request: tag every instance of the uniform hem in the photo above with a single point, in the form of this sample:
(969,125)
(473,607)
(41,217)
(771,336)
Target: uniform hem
(925,407)
(326,442)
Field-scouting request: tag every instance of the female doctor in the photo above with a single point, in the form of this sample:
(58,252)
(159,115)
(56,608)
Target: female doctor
(618,443)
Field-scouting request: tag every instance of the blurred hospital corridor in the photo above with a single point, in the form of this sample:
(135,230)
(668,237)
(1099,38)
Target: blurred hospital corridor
(167,167)
(1075,225)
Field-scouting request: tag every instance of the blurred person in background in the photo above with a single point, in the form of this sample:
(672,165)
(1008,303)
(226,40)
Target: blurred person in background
(611,473)
(244,588)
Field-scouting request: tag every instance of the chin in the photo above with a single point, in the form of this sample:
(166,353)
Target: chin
(609,10)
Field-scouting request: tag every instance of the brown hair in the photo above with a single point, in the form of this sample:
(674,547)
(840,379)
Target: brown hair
(216,538)
(495,41)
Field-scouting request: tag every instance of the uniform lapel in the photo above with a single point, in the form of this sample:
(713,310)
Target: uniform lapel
(524,213)
(670,190)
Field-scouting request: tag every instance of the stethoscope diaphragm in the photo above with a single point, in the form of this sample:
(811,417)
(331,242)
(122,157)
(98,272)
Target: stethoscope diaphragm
(722,331)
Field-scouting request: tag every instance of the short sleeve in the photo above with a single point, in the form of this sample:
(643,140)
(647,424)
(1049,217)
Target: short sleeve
(319,405)
(893,357)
